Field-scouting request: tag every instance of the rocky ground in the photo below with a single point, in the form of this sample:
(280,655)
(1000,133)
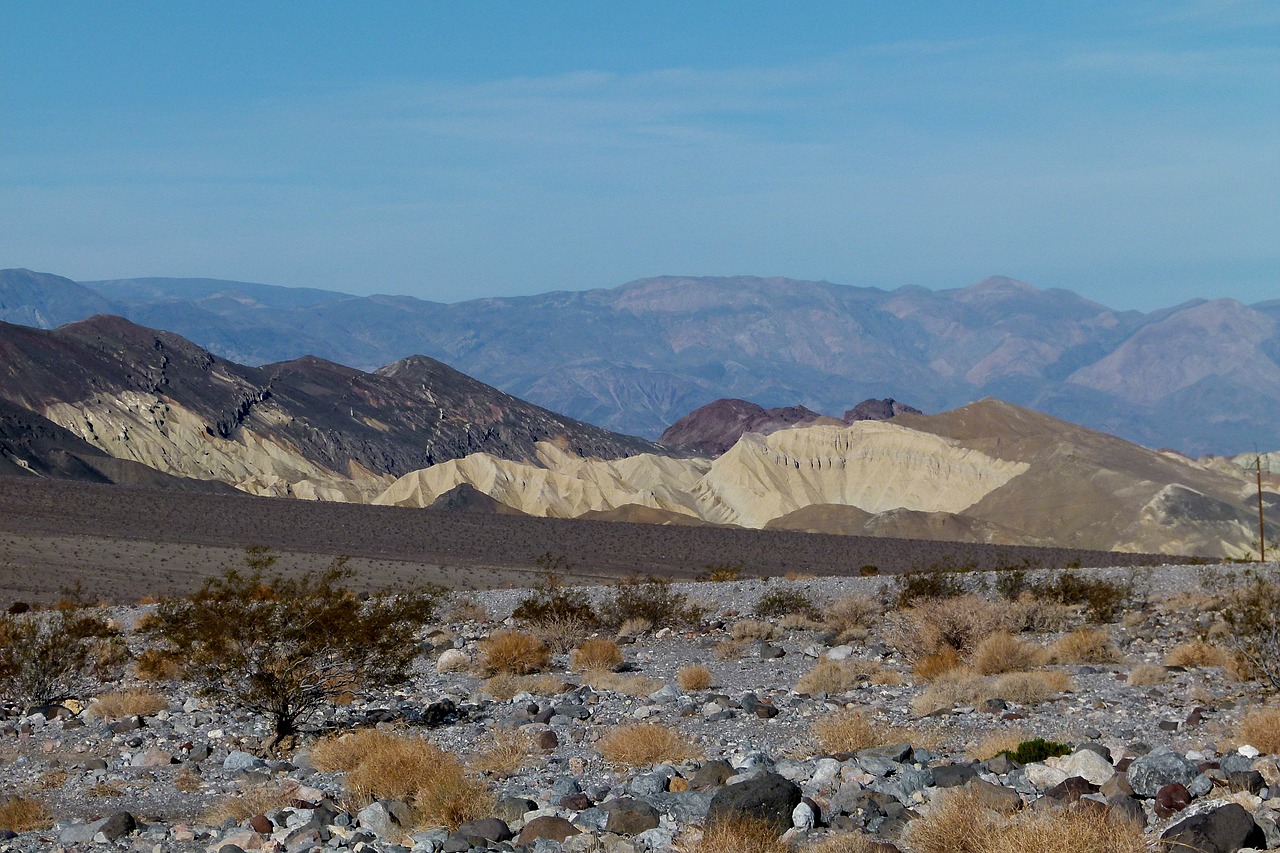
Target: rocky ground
(1152,728)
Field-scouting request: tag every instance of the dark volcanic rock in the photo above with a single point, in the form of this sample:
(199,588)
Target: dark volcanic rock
(716,427)
(768,797)
(1223,830)
(878,410)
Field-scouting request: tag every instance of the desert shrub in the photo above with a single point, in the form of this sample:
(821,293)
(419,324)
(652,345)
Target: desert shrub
(720,572)
(256,800)
(694,677)
(785,602)
(597,653)
(936,583)
(552,600)
(740,834)
(155,665)
(1002,652)
(1085,645)
(958,821)
(381,765)
(514,652)
(630,685)
(48,656)
(127,703)
(283,647)
(847,731)
(933,623)
(1101,599)
(729,649)
(1030,688)
(19,813)
(995,743)
(754,629)
(1195,654)
(849,617)
(504,685)
(467,610)
(504,752)
(634,627)
(1037,616)
(843,842)
(887,678)
(935,664)
(560,634)
(643,744)
(868,571)
(833,677)
(1252,617)
(1146,673)
(1261,728)
(649,598)
(1036,749)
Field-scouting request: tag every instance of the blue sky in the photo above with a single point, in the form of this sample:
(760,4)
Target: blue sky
(1127,151)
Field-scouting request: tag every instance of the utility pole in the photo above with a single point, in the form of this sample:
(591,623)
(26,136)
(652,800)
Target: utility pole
(1262,530)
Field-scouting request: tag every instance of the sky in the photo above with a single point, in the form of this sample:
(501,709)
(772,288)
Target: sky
(452,150)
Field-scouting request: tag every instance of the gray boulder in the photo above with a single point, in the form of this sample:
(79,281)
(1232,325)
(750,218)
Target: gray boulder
(768,797)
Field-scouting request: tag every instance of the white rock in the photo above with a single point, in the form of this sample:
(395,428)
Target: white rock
(452,660)
(1043,776)
(802,817)
(1249,751)
(1088,765)
(840,653)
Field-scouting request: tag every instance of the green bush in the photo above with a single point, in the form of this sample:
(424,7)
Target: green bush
(783,602)
(552,602)
(648,598)
(283,647)
(1102,599)
(1037,749)
(1252,615)
(935,583)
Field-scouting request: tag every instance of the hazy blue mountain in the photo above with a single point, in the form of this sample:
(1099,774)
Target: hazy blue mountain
(47,301)
(1200,377)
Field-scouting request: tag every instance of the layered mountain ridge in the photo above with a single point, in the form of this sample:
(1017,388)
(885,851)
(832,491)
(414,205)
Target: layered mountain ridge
(637,357)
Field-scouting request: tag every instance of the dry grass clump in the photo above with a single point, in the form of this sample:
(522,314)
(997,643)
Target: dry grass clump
(962,687)
(887,678)
(597,653)
(935,664)
(154,665)
(514,652)
(847,731)
(729,650)
(833,676)
(467,610)
(850,617)
(933,623)
(643,744)
(1146,673)
(754,629)
(634,627)
(380,765)
(959,822)
(740,835)
(630,685)
(257,800)
(504,753)
(1261,728)
(103,791)
(127,703)
(800,622)
(1033,615)
(1003,652)
(188,781)
(23,814)
(560,634)
(843,842)
(694,677)
(1085,645)
(1196,654)
(994,743)
(504,685)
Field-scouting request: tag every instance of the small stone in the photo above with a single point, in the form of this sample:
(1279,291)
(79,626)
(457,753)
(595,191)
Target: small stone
(629,816)
(1172,799)
(262,824)
(547,826)
(546,740)
(239,760)
(452,660)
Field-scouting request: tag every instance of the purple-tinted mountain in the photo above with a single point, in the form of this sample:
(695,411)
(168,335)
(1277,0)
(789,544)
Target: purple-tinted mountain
(714,428)
(1199,377)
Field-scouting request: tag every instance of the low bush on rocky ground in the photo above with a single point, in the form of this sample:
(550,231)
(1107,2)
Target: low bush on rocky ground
(950,725)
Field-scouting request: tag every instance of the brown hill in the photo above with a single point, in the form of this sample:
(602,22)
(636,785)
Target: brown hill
(307,427)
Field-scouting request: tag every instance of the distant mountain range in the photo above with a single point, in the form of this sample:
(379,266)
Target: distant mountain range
(1201,377)
(303,428)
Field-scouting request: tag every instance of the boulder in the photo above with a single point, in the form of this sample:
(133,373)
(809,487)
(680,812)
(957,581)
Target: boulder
(1224,829)
(769,797)
(1151,772)
(629,816)
(548,826)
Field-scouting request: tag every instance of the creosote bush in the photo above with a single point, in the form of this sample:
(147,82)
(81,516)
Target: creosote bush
(652,599)
(514,652)
(1102,600)
(786,602)
(643,744)
(1252,616)
(851,616)
(936,583)
(283,647)
(934,623)
(754,629)
(50,655)
(1085,645)
(552,601)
